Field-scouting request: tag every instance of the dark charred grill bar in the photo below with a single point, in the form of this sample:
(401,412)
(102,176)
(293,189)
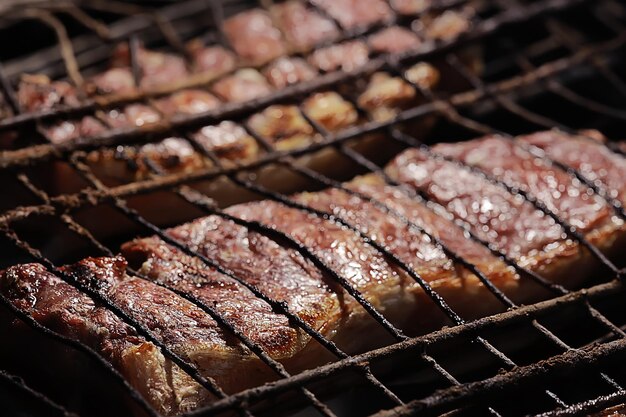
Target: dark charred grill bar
(311,207)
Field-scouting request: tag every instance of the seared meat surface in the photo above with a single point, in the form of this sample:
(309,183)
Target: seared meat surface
(346,56)
(254,37)
(303,27)
(406,227)
(394,40)
(353,14)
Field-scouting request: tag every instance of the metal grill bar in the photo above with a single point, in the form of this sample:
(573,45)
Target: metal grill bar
(477,391)
(38,397)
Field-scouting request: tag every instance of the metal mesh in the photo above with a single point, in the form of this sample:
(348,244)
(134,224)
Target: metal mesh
(553,64)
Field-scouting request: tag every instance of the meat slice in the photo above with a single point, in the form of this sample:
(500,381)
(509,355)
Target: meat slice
(497,216)
(506,221)
(386,96)
(177,323)
(213,60)
(191,101)
(516,166)
(132,115)
(128,163)
(113,81)
(228,141)
(394,40)
(38,93)
(409,7)
(254,37)
(593,159)
(253,258)
(69,130)
(284,127)
(447,26)
(245,84)
(330,110)
(303,27)
(417,249)
(287,71)
(346,56)
(423,75)
(352,14)
(157,68)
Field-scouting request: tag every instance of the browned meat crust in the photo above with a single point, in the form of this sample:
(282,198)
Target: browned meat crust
(394,40)
(303,27)
(353,14)
(347,56)
(508,222)
(287,71)
(254,37)
(245,84)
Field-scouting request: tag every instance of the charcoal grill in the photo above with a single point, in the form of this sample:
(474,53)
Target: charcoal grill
(548,64)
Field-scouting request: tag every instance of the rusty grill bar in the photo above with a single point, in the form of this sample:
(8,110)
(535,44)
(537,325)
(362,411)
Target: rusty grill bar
(498,93)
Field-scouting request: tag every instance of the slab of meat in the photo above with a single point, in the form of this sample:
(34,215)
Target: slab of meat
(347,56)
(213,59)
(67,130)
(352,14)
(284,127)
(394,40)
(191,101)
(228,140)
(131,163)
(132,115)
(38,93)
(245,84)
(409,7)
(287,71)
(115,80)
(157,68)
(592,159)
(330,110)
(507,221)
(303,27)
(385,96)
(254,37)
(446,26)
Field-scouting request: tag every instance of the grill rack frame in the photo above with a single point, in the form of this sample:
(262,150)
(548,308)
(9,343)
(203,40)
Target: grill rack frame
(105,194)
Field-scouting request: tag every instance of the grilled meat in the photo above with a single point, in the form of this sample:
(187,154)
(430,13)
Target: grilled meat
(303,27)
(409,7)
(287,71)
(245,84)
(187,102)
(385,96)
(228,141)
(590,158)
(346,56)
(356,14)
(254,37)
(508,222)
(38,92)
(214,60)
(394,40)
(284,127)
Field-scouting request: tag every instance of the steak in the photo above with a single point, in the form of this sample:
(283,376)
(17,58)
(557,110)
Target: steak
(410,229)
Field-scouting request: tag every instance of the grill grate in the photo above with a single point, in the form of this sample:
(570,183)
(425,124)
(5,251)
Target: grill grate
(459,394)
